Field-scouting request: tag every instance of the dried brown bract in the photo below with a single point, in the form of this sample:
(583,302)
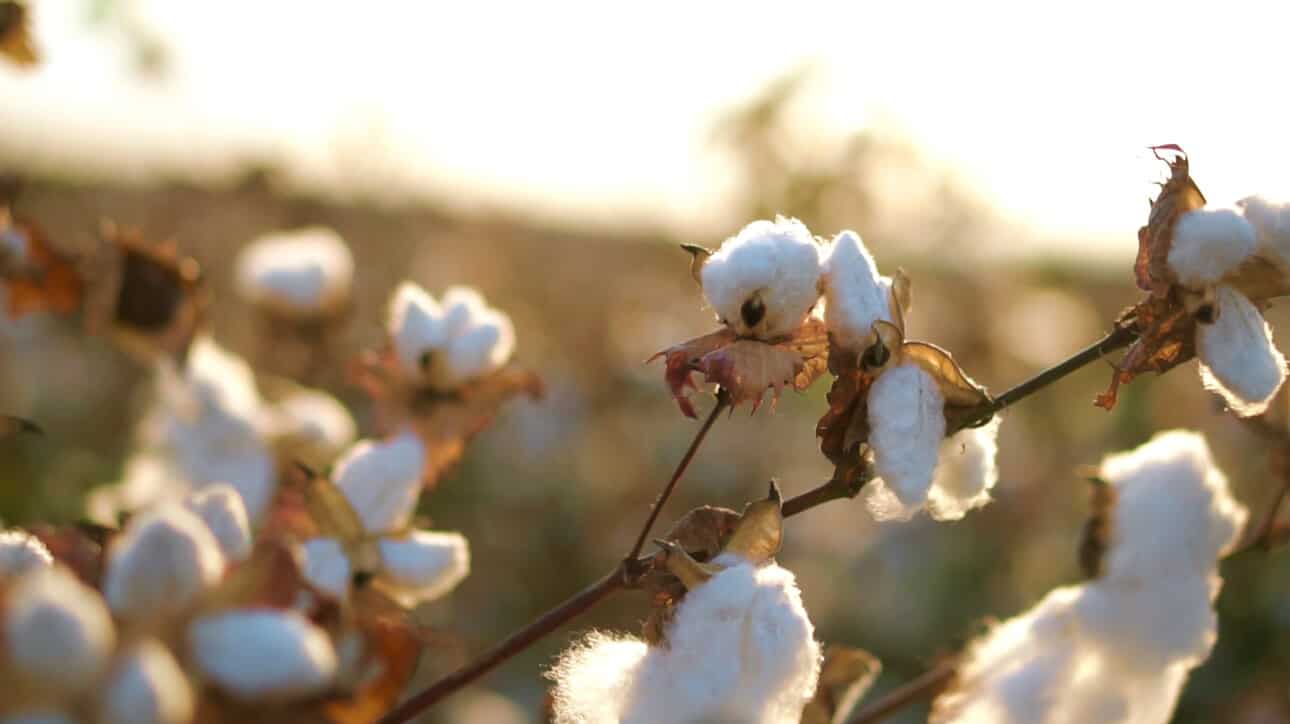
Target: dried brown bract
(15,34)
(38,277)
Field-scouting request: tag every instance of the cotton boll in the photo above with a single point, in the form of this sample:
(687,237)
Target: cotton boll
(147,687)
(1151,624)
(416,325)
(1174,510)
(21,552)
(313,427)
(304,272)
(482,348)
(594,677)
(763,281)
(966,471)
(907,424)
(423,565)
(163,561)
(57,632)
(1237,357)
(855,295)
(1209,243)
(883,504)
(462,306)
(263,654)
(327,567)
(1271,222)
(220,507)
(382,480)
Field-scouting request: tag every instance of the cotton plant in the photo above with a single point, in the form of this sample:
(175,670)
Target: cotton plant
(1117,648)
(365,514)
(739,646)
(1209,271)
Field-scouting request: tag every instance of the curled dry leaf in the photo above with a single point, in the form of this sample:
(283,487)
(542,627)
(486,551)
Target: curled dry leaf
(746,368)
(46,280)
(1177,196)
(15,34)
(445,421)
(845,677)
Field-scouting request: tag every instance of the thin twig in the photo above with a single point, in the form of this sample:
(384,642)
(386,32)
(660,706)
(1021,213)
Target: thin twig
(723,400)
(514,644)
(927,685)
(623,575)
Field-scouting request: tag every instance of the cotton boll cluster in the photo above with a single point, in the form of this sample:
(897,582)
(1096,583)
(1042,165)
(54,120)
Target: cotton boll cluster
(855,294)
(740,648)
(447,343)
(1118,648)
(381,481)
(299,274)
(1237,357)
(763,281)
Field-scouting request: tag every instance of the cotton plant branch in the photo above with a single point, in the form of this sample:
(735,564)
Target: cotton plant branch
(628,572)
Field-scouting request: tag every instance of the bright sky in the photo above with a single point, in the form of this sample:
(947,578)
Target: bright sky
(603,109)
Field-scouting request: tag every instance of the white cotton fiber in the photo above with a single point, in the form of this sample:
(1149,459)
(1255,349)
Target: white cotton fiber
(304,272)
(740,648)
(262,654)
(382,480)
(966,471)
(160,564)
(146,686)
(415,325)
(1209,243)
(1271,221)
(20,552)
(447,345)
(424,565)
(327,567)
(855,295)
(57,632)
(220,507)
(907,424)
(1237,357)
(764,280)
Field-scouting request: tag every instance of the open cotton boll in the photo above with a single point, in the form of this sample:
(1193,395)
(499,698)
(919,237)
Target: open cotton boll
(907,424)
(1271,223)
(416,325)
(483,347)
(1151,624)
(262,654)
(966,471)
(1174,510)
(21,552)
(326,566)
(1209,243)
(221,508)
(740,648)
(146,687)
(1237,357)
(382,480)
(855,295)
(763,280)
(57,632)
(304,272)
(161,563)
(424,565)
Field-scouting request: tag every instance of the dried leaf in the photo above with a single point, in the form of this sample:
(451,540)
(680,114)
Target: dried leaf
(846,422)
(698,257)
(15,34)
(746,368)
(845,677)
(702,532)
(1177,196)
(679,563)
(959,389)
(47,281)
(1166,339)
(902,296)
(760,531)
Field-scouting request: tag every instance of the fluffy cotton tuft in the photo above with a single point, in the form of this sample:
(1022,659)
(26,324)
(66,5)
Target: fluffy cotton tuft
(221,509)
(21,552)
(263,654)
(740,648)
(326,566)
(1116,649)
(1271,223)
(147,687)
(1209,243)
(424,565)
(966,471)
(855,294)
(303,272)
(447,345)
(1237,357)
(57,632)
(313,427)
(163,561)
(907,425)
(764,280)
(382,480)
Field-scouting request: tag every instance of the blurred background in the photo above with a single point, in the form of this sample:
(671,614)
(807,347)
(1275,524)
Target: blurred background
(554,154)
